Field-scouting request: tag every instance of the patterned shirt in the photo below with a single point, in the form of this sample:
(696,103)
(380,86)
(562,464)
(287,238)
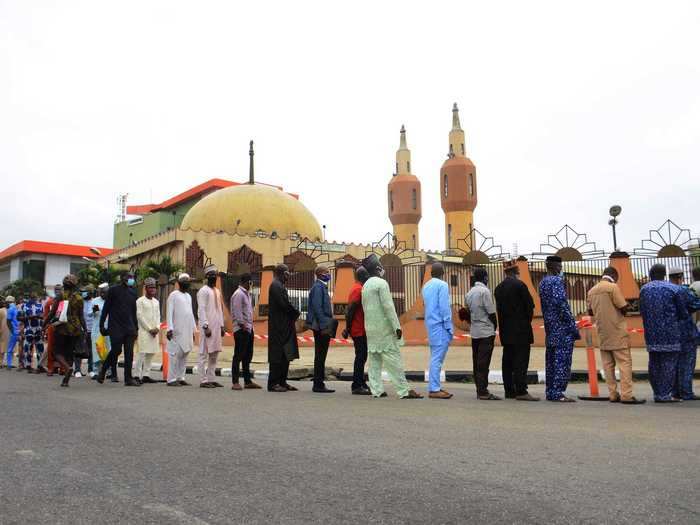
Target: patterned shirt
(559,323)
(662,307)
(33,309)
(73,326)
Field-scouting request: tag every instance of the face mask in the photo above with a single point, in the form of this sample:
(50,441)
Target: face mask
(84,295)
(325,277)
(130,281)
(211,281)
(382,272)
(184,287)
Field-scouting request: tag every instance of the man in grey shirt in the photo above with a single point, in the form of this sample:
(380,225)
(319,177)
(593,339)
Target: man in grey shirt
(483,331)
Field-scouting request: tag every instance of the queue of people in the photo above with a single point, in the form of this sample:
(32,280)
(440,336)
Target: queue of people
(77,326)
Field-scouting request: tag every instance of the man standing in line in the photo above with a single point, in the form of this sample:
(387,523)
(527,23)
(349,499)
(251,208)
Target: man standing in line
(438,324)
(210,311)
(148,317)
(608,306)
(86,295)
(560,332)
(181,329)
(663,309)
(13,326)
(120,310)
(4,332)
(33,331)
(46,363)
(515,309)
(689,339)
(243,335)
(355,328)
(97,307)
(384,335)
(282,344)
(482,331)
(320,317)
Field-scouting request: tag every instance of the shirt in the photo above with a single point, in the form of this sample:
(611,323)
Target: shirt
(695,287)
(438,314)
(662,308)
(242,310)
(481,305)
(73,326)
(35,310)
(357,327)
(12,317)
(87,314)
(320,313)
(120,309)
(559,323)
(606,299)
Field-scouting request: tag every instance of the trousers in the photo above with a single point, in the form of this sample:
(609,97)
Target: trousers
(177,366)
(623,359)
(358,368)
(390,360)
(143,365)
(437,358)
(242,354)
(77,365)
(321,344)
(278,374)
(514,364)
(663,374)
(557,370)
(14,337)
(207,366)
(120,343)
(482,349)
(32,339)
(686,369)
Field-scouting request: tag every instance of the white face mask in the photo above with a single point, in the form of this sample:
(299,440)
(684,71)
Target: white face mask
(382,272)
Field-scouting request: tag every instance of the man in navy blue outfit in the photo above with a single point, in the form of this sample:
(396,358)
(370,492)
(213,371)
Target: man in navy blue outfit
(320,318)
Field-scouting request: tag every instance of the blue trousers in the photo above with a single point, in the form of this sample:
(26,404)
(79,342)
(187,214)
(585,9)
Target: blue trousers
(437,357)
(557,370)
(14,337)
(32,338)
(663,374)
(686,369)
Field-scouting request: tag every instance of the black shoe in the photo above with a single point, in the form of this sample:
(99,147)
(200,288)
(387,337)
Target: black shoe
(322,390)
(131,383)
(174,383)
(217,385)
(207,385)
(183,383)
(137,381)
(146,379)
(361,392)
(114,379)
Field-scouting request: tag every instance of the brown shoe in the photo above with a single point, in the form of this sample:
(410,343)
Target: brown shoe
(253,386)
(277,388)
(412,394)
(236,386)
(527,397)
(290,388)
(440,394)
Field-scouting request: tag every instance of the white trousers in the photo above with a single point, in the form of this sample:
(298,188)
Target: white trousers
(207,366)
(143,365)
(177,366)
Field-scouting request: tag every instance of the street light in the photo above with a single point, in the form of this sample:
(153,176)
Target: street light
(96,251)
(614,212)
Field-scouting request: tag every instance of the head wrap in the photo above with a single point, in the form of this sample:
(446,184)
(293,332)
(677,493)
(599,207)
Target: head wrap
(554,258)
(209,268)
(71,279)
(371,262)
(510,265)
(183,277)
(103,286)
(675,270)
(149,281)
(9,299)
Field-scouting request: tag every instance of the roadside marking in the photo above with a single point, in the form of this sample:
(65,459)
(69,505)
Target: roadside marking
(27,454)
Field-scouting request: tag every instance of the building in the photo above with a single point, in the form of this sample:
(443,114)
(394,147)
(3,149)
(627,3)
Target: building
(46,262)
(405,198)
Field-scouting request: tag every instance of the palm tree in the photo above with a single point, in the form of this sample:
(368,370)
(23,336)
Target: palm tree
(162,269)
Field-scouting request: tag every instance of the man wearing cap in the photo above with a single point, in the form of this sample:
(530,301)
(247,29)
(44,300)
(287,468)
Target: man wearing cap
(384,335)
(608,306)
(12,323)
(210,313)
(120,312)
(181,329)
(33,331)
(515,309)
(282,344)
(148,340)
(560,331)
(243,336)
(438,324)
(663,310)
(689,338)
(320,318)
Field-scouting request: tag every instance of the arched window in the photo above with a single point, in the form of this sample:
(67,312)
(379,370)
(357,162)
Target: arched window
(471,185)
(449,235)
(452,151)
(463,153)
(408,166)
(444,184)
(397,168)
(391,201)
(414,242)
(414,199)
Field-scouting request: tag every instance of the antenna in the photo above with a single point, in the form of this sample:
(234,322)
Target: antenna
(121,207)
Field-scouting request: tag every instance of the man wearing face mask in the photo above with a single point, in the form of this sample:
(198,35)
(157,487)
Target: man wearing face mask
(242,316)
(210,311)
(148,317)
(120,310)
(282,344)
(98,304)
(181,328)
(384,336)
(320,317)
(560,331)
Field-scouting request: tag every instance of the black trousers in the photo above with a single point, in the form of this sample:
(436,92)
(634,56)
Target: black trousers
(242,353)
(120,343)
(358,369)
(321,343)
(481,359)
(516,359)
(278,374)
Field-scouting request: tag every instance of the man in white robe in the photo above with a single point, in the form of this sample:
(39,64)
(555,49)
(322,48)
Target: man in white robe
(148,340)
(210,311)
(181,329)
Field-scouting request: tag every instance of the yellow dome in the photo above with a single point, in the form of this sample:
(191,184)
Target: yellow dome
(257,208)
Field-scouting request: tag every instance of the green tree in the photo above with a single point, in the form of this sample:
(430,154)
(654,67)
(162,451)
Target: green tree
(96,274)
(23,287)
(157,268)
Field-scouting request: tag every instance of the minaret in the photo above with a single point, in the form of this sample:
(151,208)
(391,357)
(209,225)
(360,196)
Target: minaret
(405,198)
(458,190)
(251,170)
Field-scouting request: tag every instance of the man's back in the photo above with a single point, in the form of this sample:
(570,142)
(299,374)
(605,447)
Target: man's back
(515,308)
(120,310)
(481,305)
(605,300)
(659,304)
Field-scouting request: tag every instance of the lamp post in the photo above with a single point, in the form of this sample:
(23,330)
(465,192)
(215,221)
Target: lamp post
(615,211)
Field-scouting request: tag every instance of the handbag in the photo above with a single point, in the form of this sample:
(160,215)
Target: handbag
(82,349)
(62,312)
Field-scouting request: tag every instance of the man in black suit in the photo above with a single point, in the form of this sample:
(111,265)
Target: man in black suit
(515,309)
(282,344)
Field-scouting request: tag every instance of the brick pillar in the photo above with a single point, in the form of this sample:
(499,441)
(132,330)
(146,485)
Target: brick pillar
(627,283)
(344,279)
(526,278)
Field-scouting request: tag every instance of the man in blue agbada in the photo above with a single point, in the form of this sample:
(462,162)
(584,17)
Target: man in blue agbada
(33,330)
(438,323)
(663,309)
(560,331)
(689,338)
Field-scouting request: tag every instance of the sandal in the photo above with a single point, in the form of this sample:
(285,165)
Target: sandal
(563,399)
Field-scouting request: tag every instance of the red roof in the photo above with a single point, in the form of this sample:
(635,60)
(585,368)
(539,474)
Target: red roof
(52,248)
(197,191)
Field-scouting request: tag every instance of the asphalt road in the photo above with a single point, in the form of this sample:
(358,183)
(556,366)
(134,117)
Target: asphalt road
(91,454)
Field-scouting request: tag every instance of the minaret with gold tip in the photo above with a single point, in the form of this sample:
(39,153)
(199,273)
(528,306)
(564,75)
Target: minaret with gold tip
(458,189)
(405,198)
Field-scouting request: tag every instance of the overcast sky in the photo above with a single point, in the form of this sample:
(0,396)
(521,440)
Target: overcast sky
(567,108)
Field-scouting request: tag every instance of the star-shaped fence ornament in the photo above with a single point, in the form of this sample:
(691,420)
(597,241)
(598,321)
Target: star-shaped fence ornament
(668,240)
(570,245)
(306,250)
(393,252)
(477,248)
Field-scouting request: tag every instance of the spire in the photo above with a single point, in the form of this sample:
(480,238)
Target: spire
(402,143)
(455,118)
(403,155)
(251,177)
